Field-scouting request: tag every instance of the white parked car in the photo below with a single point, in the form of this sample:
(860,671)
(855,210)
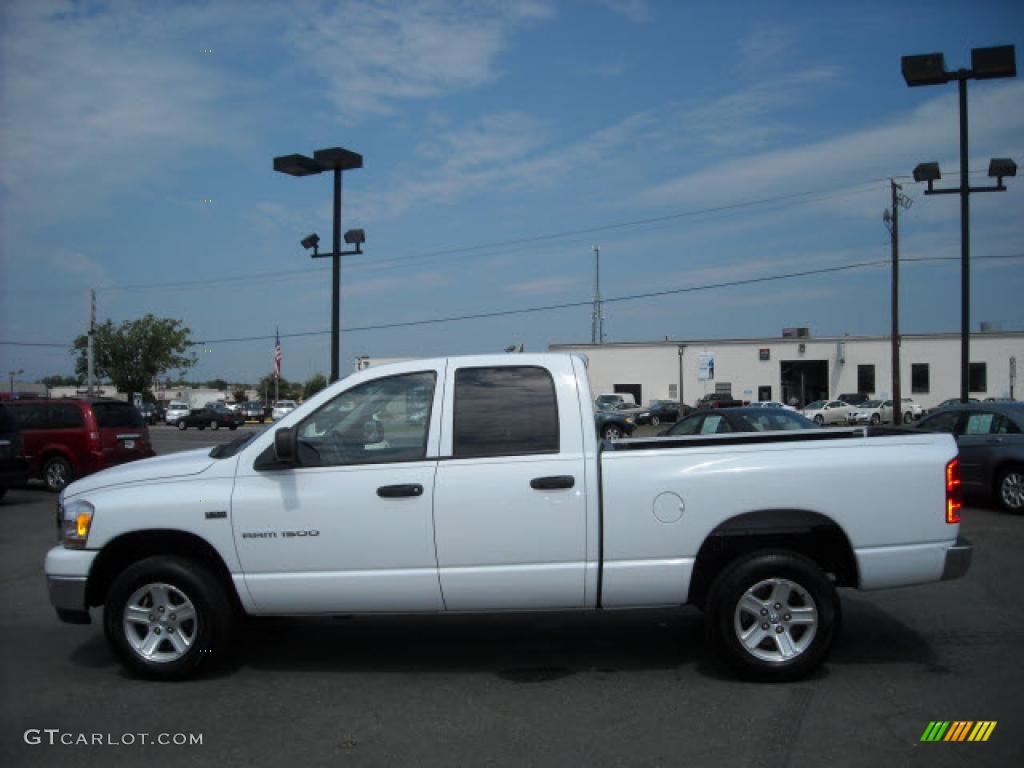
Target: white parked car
(771,404)
(176,410)
(911,411)
(872,412)
(282,408)
(828,411)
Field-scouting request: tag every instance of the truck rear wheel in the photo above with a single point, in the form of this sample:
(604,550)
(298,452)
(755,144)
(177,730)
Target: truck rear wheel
(167,617)
(774,614)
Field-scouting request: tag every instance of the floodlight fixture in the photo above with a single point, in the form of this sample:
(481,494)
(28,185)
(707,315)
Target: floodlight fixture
(311,241)
(337,159)
(992,63)
(355,237)
(998,167)
(297,165)
(925,69)
(927,172)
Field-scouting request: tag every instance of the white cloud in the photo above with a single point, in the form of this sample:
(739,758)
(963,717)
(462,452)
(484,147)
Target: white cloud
(637,11)
(927,132)
(78,265)
(372,55)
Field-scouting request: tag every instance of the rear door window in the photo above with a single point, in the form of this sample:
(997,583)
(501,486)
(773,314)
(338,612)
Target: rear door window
(714,425)
(116,415)
(504,411)
(942,422)
(65,416)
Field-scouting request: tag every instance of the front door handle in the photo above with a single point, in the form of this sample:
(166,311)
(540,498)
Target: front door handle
(553,482)
(399,491)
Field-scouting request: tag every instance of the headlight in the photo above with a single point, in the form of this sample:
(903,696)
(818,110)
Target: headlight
(629,419)
(76,520)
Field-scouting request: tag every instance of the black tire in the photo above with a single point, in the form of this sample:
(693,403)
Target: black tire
(819,420)
(57,473)
(182,425)
(1009,490)
(655,421)
(211,632)
(214,425)
(201,427)
(233,427)
(875,418)
(908,417)
(808,589)
(3,491)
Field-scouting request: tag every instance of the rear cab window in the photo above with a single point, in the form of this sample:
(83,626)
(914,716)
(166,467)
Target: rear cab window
(504,411)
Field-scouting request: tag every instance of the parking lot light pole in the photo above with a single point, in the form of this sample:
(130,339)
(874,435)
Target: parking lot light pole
(930,69)
(338,160)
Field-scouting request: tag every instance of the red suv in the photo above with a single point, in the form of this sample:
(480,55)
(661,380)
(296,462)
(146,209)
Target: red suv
(69,438)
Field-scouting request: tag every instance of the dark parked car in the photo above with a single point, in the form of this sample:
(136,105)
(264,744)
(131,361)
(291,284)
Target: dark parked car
(740,420)
(718,400)
(13,464)
(212,415)
(70,438)
(253,411)
(640,414)
(153,413)
(612,423)
(991,441)
(667,410)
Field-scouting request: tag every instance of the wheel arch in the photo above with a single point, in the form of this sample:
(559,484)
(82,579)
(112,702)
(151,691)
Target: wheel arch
(132,547)
(806,532)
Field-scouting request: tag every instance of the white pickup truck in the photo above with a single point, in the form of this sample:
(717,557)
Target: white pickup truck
(479,484)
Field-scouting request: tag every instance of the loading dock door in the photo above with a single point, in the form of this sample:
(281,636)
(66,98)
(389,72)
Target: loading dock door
(804,380)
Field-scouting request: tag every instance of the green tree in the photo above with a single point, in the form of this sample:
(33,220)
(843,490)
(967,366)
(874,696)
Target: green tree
(313,384)
(287,390)
(131,355)
(239,394)
(218,384)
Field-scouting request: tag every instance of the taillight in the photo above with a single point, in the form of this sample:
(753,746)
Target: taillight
(953,489)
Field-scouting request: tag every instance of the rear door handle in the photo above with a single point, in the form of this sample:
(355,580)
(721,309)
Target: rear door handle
(399,491)
(553,482)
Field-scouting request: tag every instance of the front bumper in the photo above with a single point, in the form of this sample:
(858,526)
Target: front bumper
(67,576)
(67,596)
(958,559)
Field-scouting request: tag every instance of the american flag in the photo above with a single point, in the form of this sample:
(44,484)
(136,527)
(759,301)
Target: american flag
(277,354)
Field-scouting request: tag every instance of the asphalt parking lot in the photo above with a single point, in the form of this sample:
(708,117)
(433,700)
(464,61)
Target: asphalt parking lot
(604,689)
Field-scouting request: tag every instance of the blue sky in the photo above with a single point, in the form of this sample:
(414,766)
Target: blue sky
(694,126)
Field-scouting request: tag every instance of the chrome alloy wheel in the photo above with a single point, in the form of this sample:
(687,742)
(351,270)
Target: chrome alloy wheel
(57,475)
(776,620)
(160,622)
(1012,490)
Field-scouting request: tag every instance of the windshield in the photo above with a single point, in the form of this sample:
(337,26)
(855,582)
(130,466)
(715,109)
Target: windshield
(817,405)
(871,403)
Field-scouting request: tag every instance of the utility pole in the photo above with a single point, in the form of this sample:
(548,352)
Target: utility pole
(90,363)
(892,222)
(597,321)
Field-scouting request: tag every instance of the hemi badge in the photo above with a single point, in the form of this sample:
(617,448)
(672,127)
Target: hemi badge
(216,514)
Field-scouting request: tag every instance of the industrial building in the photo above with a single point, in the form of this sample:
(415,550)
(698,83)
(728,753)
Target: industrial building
(797,367)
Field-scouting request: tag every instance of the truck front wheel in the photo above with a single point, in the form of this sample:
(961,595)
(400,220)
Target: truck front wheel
(774,614)
(166,618)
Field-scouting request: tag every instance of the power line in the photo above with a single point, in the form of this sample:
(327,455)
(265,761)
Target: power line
(807,196)
(573,304)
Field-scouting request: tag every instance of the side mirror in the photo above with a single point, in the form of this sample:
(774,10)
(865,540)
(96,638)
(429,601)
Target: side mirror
(285,445)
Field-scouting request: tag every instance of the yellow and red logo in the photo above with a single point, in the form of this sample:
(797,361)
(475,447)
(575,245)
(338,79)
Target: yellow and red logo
(958,730)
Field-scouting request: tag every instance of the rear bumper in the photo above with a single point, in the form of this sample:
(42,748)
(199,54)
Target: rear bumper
(958,559)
